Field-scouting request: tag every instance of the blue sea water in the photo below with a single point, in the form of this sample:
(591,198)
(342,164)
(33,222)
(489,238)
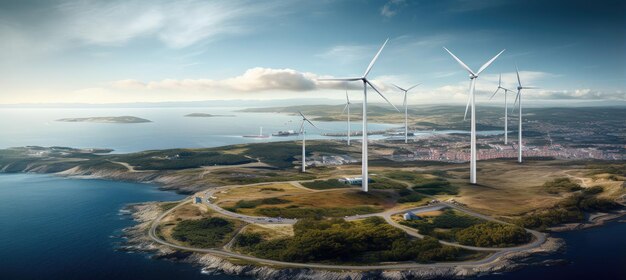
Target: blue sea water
(56,228)
(594,253)
(169,128)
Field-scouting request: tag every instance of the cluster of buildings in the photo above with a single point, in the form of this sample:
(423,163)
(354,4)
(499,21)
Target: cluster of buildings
(323,160)
(494,151)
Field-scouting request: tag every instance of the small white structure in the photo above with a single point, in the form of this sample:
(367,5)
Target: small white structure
(410,216)
(351,180)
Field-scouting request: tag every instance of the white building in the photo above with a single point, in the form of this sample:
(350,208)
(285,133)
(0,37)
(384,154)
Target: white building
(410,216)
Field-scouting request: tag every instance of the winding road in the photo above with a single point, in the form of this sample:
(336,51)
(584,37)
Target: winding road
(538,238)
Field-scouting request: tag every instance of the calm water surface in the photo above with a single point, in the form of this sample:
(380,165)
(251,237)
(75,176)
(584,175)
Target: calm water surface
(55,228)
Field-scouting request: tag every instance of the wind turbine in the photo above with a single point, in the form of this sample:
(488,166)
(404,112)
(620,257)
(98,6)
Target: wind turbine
(406,113)
(303,132)
(347,107)
(366,82)
(506,117)
(473,76)
(518,97)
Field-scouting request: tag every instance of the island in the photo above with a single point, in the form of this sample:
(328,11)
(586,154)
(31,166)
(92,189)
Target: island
(205,115)
(119,119)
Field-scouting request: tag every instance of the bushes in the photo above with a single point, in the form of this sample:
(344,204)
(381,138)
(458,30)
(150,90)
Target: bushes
(492,234)
(258,202)
(449,220)
(593,190)
(571,209)
(325,184)
(381,183)
(367,241)
(412,197)
(559,185)
(205,233)
(180,159)
(247,239)
(436,186)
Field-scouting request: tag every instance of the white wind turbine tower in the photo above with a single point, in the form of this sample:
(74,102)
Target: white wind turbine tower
(364,169)
(506,109)
(347,107)
(473,76)
(303,132)
(518,100)
(406,112)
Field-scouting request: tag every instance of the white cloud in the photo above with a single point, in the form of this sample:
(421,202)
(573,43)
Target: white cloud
(272,83)
(252,80)
(177,24)
(390,8)
(344,54)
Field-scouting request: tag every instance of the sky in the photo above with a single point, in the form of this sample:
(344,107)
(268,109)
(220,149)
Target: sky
(157,51)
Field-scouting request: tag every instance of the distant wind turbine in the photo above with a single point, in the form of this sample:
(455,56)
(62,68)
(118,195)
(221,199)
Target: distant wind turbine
(473,76)
(364,170)
(347,107)
(506,108)
(406,112)
(518,100)
(303,132)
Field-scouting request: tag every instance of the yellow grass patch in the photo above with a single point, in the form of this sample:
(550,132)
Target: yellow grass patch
(270,231)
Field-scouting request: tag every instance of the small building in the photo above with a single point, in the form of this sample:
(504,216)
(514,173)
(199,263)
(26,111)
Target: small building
(197,200)
(410,216)
(353,180)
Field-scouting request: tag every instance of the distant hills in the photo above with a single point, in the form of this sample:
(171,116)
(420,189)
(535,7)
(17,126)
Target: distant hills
(204,115)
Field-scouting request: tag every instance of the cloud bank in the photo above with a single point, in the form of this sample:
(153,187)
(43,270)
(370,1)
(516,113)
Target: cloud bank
(258,80)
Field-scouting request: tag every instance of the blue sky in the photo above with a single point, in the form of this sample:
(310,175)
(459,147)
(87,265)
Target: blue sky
(132,51)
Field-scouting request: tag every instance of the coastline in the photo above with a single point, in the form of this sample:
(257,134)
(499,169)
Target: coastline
(137,240)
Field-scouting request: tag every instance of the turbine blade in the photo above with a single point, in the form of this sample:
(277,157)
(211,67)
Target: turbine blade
(369,68)
(494,93)
(460,62)
(529,87)
(312,124)
(500,81)
(302,126)
(338,79)
(516,97)
(344,109)
(301,115)
(413,87)
(519,82)
(482,68)
(404,102)
(347,98)
(398,87)
(469,98)
(381,95)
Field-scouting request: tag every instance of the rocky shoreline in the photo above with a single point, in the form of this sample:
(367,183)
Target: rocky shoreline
(137,240)
(594,220)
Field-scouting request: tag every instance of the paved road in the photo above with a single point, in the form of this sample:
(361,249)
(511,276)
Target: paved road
(402,266)
(538,239)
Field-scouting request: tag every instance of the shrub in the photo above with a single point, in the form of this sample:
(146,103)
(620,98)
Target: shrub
(559,185)
(492,234)
(207,232)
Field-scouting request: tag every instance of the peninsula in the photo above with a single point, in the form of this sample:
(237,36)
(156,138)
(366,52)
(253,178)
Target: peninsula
(250,212)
